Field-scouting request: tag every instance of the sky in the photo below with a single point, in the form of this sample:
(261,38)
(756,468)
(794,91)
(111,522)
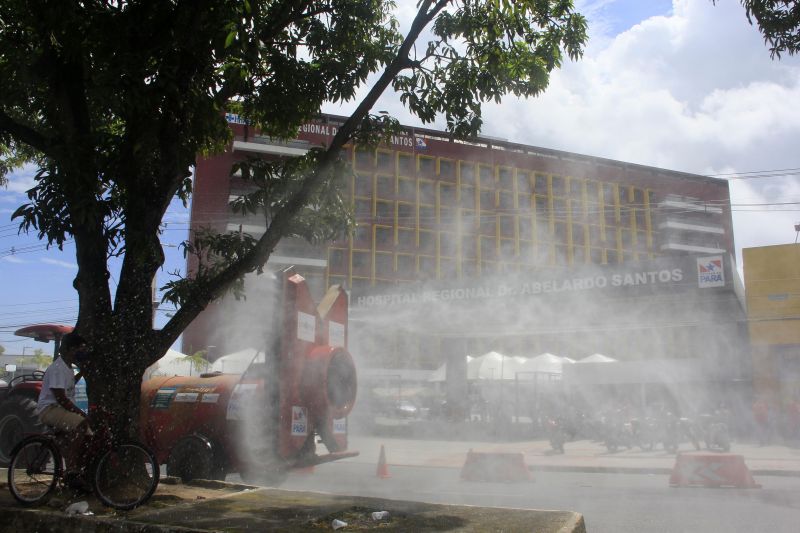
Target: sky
(684,85)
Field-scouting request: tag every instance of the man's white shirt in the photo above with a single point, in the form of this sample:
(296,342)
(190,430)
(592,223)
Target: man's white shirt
(58,376)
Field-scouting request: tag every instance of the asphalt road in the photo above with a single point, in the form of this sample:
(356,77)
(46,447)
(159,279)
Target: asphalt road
(613,503)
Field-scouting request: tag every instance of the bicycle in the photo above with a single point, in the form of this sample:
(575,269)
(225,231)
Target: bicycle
(122,474)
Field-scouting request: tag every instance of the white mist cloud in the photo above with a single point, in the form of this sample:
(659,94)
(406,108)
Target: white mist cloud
(13,259)
(59,263)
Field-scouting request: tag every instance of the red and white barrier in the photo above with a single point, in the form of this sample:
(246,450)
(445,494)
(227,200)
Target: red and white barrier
(711,470)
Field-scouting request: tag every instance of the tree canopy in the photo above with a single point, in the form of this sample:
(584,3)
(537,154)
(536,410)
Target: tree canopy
(112,101)
(779,23)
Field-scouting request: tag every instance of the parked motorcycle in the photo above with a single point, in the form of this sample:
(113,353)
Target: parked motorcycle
(645,432)
(618,434)
(715,433)
(677,429)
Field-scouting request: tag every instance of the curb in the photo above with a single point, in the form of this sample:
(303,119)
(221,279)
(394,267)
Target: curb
(39,520)
(644,470)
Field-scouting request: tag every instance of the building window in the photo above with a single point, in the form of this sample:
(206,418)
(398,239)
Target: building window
(578,234)
(469,248)
(524,185)
(487,199)
(337,261)
(488,248)
(407,189)
(385,161)
(467,172)
(427,242)
(505,178)
(384,237)
(362,263)
(405,214)
(363,186)
(427,215)
(405,164)
(448,244)
(427,192)
(559,186)
(426,166)
(385,186)
(505,200)
(540,184)
(448,268)
(542,209)
(384,264)
(384,211)
(508,250)
(365,158)
(467,197)
(525,228)
(488,223)
(406,238)
(487,177)
(405,265)
(609,194)
(447,169)
(507,226)
(363,208)
(426,264)
(362,234)
(447,194)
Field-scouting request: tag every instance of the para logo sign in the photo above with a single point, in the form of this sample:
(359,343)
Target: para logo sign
(299,421)
(710,272)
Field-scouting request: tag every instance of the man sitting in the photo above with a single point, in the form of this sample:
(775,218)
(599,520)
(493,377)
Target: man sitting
(57,407)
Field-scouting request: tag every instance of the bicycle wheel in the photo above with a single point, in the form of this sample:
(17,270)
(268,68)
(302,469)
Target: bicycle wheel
(126,476)
(34,470)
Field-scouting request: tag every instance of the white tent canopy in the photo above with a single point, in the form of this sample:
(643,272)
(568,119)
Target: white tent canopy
(237,362)
(496,366)
(597,358)
(173,363)
(493,365)
(546,363)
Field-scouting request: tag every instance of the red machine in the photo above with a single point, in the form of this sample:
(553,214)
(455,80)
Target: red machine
(263,422)
(18,398)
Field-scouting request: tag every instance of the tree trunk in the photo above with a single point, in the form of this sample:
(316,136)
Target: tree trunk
(114,388)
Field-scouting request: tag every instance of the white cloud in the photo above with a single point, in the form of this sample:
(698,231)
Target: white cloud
(59,263)
(693,91)
(13,259)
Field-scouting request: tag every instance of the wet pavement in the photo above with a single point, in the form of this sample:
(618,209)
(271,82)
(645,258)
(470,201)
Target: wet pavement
(580,456)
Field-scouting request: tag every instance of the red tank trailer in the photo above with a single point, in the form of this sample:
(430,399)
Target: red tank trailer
(265,421)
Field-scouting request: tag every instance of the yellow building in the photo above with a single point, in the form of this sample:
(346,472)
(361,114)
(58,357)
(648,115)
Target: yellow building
(772,281)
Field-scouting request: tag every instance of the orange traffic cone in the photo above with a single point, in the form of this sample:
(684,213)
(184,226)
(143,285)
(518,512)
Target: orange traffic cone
(382,471)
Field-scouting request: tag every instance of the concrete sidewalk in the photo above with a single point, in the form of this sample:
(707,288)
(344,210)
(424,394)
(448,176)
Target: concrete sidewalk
(261,509)
(580,456)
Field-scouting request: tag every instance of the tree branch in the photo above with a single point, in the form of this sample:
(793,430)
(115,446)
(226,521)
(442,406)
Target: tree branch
(279,225)
(27,135)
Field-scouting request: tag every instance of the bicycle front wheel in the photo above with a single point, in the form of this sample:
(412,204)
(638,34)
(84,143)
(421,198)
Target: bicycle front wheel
(126,476)
(34,470)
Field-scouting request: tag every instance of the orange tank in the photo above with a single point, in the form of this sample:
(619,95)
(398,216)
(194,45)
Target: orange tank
(174,407)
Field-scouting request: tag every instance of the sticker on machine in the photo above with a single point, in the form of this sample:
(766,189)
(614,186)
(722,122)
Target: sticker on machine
(299,421)
(339,426)
(306,326)
(163,397)
(210,397)
(187,397)
(335,334)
